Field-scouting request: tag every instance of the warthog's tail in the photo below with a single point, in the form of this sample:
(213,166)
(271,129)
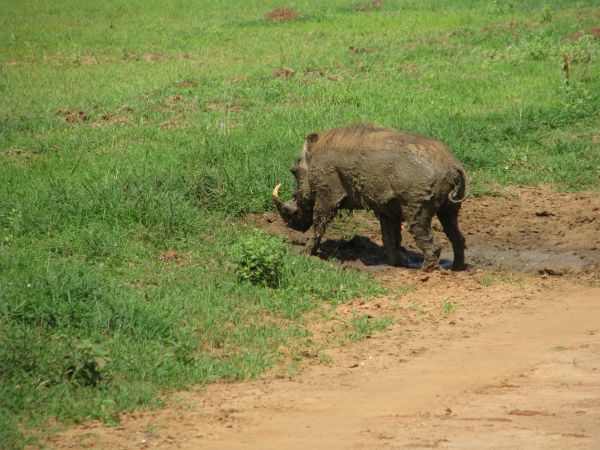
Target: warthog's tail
(461,188)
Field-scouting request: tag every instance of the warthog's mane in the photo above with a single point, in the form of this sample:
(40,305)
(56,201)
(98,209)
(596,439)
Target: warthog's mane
(348,138)
(370,137)
(344,138)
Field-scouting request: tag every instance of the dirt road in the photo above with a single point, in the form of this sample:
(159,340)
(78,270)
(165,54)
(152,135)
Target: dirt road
(515,364)
(490,389)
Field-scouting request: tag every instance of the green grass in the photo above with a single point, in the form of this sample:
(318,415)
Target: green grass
(363,326)
(448,306)
(117,280)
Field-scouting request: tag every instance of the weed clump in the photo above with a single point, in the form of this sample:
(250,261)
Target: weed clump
(448,306)
(259,259)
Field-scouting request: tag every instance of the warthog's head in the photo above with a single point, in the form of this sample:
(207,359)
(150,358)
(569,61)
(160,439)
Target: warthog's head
(298,212)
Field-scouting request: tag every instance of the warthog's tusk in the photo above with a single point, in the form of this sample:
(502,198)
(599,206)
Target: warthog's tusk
(276,192)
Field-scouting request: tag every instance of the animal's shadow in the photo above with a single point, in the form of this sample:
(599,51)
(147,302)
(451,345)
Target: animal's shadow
(363,249)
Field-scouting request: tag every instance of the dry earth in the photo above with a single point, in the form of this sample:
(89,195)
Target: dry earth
(516,364)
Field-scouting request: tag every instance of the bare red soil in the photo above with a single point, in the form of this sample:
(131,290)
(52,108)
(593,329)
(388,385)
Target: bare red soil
(281,15)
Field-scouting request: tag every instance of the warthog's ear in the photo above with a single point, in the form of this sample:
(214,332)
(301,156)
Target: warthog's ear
(312,138)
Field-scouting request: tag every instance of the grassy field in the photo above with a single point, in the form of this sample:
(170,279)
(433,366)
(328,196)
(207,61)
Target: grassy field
(135,136)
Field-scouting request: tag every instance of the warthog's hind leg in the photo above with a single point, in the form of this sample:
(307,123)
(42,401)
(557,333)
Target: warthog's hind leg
(391,237)
(448,216)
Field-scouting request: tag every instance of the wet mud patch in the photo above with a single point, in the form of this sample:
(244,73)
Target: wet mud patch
(530,230)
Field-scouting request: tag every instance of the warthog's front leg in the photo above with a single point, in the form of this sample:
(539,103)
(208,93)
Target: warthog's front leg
(420,228)
(328,201)
(322,217)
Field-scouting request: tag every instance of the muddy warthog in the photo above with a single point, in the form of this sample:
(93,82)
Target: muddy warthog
(401,177)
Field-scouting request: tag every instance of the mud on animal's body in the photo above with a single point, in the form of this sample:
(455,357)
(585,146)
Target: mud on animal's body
(401,177)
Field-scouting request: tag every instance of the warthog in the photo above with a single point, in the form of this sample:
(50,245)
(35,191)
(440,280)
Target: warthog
(401,177)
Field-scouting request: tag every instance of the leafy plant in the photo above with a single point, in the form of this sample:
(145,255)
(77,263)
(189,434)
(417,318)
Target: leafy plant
(259,259)
(90,365)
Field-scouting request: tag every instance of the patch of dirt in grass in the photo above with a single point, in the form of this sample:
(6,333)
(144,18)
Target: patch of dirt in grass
(187,84)
(97,59)
(311,75)
(285,72)
(141,283)
(148,57)
(173,122)
(110,119)
(368,6)
(593,32)
(235,80)
(281,15)
(362,49)
(174,99)
(527,230)
(170,255)
(72,115)
(89,60)
(216,106)
(19,155)
(174,103)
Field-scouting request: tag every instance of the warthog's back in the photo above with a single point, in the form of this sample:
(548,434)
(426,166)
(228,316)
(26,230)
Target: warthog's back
(379,164)
(368,139)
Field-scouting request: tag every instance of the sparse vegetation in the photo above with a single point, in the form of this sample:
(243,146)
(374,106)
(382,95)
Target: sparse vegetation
(487,280)
(448,306)
(135,137)
(363,326)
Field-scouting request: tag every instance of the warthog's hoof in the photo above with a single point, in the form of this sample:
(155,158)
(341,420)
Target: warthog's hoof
(430,265)
(459,266)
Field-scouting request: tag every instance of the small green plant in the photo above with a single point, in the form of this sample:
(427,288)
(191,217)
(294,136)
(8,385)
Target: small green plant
(259,259)
(546,15)
(12,228)
(448,306)
(577,100)
(90,367)
(486,280)
(361,327)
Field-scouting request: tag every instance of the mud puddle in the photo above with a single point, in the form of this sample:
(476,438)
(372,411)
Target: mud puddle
(529,230)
